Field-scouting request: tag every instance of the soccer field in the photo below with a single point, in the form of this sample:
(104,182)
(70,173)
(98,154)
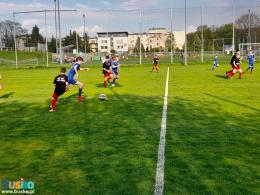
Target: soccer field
(110,147)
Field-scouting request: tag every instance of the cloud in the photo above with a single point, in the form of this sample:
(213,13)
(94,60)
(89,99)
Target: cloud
(81,7)
(29,23)
(191,28)
(106,3)
(14,7)
(136,4)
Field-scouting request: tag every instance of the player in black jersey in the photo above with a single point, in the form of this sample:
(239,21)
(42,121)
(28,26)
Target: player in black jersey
(61,86)
(236,66)
(155,64)
(106,71)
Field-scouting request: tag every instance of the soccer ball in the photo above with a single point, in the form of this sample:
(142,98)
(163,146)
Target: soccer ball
(102,97)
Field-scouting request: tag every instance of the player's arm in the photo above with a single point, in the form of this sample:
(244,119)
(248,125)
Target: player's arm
(67,84)
(76,72)
(84,68)
(55,82)
(235,64)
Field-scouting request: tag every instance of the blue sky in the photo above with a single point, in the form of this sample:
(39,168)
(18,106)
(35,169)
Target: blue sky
(100,20)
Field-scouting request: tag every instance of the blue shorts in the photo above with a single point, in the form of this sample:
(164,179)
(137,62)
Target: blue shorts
(72,81)
(251,65)
(115,72)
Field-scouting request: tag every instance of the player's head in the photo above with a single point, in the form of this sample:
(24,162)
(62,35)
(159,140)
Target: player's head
(216,56)
(63,70)
(238,54)
(79,59)
(107,58)
(113,58)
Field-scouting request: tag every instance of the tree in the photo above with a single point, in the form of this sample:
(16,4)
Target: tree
(7,28)
(36,37)
(82,43)
(137,46)
(170,42)
(243,21)
(52,45)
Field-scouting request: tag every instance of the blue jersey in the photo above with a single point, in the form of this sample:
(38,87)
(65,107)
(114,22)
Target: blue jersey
(114,65)
(215,61)
(251,59)
(72,72)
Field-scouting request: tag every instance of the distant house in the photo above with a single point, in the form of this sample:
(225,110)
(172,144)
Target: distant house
(93,44)
(23,40)
(108,41)
(155,38)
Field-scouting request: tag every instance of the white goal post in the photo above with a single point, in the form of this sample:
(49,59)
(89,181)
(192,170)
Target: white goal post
(244,48)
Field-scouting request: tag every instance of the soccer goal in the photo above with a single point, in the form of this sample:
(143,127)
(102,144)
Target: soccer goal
(27,62)
(246,47)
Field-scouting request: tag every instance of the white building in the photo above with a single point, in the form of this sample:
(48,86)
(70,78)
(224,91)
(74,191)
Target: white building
(179,37)
(108,41)
(156,38)
(93,44)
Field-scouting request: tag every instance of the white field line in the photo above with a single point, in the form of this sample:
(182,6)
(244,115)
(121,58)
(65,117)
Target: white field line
(159,180)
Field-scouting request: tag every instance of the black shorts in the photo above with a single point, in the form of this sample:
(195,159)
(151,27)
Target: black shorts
(59,91)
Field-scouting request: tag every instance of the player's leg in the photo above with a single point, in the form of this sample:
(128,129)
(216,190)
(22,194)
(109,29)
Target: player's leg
(157,68)
(81,85)
(115,77)
(252,68)
(153,68)
(54,102)
(105,80)
(240,73)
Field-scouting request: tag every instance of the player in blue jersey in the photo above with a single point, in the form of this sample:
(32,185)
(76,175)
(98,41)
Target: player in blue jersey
(73,75)
(115,66)
(215,63)
(251,61)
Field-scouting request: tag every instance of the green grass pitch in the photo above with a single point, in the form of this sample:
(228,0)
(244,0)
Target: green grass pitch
(110,147)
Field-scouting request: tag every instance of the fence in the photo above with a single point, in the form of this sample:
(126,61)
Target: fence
(210,31)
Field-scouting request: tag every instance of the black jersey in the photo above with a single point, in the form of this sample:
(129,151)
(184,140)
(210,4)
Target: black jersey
(155,60)
(106,65)
(60,82)
(235,60)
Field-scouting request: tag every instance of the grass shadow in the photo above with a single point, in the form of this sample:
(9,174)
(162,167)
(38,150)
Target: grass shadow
(87,148)
(210,150)
(6,95)
(222,76)
(233,102)
(101,85)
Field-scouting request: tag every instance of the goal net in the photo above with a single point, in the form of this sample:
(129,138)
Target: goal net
(245,48)
(26,62)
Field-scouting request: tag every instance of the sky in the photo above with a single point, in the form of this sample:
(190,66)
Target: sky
(126,16)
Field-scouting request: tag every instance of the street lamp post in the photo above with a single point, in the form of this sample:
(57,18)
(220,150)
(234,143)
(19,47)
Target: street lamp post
(185,47)
(85,46)
(56,34)
(59,31)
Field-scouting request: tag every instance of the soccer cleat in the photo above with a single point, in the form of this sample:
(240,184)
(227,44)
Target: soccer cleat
(52,110)
(113,85)
(80,98)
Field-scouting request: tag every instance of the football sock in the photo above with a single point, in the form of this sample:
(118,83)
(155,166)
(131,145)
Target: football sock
(54,101)
(240,75)
(80,92)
